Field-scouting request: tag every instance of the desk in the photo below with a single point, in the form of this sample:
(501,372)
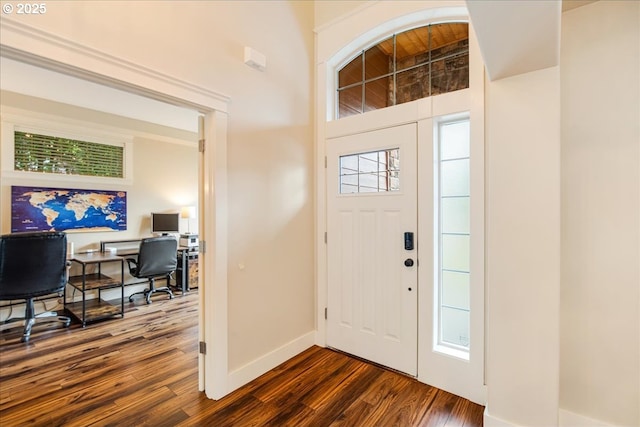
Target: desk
(95,309)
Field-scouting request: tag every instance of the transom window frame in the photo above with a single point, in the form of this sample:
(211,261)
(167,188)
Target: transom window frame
(334,82)
(12,123)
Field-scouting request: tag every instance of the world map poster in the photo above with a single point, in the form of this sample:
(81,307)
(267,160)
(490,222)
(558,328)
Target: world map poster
(58,209)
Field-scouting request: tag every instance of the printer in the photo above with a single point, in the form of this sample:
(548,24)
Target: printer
(189,240)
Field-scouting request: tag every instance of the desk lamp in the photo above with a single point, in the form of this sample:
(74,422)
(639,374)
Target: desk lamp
(188,212)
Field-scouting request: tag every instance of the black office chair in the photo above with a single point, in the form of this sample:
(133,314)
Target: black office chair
(33,265)
(157,257)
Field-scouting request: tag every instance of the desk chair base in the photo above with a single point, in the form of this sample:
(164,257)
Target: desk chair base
(30,319)
(152,290)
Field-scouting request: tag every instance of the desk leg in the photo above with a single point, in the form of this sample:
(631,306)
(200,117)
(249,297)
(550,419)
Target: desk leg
(84,297)
(185,274)
(122,287)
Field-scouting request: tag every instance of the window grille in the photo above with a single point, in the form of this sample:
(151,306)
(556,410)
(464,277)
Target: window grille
(56,155)
(417,63)
(372,172)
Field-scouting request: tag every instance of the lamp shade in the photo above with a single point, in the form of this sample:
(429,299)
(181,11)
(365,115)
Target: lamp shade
(188,212)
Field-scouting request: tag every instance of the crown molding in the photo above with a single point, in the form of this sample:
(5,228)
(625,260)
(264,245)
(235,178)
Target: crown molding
(34,46)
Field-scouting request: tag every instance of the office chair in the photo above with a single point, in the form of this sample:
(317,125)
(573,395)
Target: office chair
(157,256)
(33,265)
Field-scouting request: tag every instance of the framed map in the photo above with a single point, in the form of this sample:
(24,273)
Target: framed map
(59,209)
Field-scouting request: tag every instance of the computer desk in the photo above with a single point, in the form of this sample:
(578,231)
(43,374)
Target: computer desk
(94,309)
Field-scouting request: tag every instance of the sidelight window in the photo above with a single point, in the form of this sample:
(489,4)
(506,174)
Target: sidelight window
(453,237)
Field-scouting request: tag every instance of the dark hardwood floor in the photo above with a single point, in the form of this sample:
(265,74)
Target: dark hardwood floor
(142,371)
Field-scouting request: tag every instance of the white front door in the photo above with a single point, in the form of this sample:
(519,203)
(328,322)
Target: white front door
(372,246)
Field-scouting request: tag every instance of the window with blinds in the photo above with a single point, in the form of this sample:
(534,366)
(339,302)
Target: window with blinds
(56,155)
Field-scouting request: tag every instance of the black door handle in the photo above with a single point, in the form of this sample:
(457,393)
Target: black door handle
(408,262)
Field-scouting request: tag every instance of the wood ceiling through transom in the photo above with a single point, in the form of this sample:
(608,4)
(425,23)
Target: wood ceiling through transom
(414,42)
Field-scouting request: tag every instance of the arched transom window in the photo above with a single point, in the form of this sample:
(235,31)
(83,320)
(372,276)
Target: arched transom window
(417,63)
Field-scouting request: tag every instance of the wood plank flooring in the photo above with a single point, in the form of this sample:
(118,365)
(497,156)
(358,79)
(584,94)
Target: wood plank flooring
(142,371)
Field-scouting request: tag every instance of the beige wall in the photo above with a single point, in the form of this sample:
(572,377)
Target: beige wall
(600,311)
(329,10)
(523,247)
(270,140)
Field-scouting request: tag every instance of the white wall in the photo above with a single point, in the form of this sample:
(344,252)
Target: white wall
(523,247)
(600,311)
(271,300)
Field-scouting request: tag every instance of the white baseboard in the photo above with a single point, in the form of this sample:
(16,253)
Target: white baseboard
(491,421)
(254,369)
(571,419)
(565,419)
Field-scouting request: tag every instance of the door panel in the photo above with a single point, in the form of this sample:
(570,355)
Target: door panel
(372,202)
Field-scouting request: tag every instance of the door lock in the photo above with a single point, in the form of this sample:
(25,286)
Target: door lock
(408,241)
(408,262)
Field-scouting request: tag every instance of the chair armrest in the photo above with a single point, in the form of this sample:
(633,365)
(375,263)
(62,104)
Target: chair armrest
(133,266)
(132,262)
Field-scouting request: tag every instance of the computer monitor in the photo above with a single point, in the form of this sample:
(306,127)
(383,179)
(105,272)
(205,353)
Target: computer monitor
(165,222)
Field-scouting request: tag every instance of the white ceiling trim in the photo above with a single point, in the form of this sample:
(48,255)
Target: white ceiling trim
(517,37)
(42,83)
(37,48)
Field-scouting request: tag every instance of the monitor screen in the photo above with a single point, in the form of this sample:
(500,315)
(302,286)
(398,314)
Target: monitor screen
(165,222)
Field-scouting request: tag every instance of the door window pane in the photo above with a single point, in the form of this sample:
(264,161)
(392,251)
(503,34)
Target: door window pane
(376,171)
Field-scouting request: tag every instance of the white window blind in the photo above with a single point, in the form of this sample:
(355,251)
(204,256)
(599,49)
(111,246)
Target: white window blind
(57,155)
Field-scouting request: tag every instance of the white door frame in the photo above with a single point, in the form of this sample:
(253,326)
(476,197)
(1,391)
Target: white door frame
(336,42)
(49,51)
